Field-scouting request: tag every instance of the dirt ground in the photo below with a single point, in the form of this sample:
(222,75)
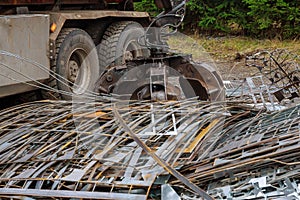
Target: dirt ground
(229,52)
(235,70)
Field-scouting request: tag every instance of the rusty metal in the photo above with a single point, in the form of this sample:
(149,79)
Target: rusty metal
(161,162)
(282,70)
(53,147)
(185,148)
(59,18)
(275,86)
(24,2)
(252,159)
(79,150)
(181,78)
(49,2)
(44,142)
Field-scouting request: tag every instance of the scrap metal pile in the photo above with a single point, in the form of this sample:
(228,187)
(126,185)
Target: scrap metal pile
(252,158)
(276,83)
(281,68)
(79,150)
(187,149)
(146,150)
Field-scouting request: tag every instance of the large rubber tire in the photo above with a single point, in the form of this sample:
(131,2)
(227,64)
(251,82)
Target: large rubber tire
(76,61)
(119,40)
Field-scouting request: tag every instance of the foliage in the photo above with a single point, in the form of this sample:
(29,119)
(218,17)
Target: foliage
(273,18)
(147,6)
(262,18)
(259,18)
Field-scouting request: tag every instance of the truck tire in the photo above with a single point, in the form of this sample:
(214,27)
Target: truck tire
(76,61)
(119,43)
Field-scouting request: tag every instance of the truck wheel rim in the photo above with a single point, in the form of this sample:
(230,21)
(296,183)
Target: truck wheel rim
(78,71)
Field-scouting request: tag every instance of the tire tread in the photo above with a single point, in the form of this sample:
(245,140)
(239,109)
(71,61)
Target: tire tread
(108,45)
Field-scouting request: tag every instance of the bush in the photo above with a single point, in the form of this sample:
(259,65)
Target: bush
(273,18)
(256,18)
(147,6)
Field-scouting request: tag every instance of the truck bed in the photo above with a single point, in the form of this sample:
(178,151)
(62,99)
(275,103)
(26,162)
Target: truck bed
(49,2)
(25,2)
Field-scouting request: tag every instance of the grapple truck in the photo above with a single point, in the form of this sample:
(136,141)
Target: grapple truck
(72,47)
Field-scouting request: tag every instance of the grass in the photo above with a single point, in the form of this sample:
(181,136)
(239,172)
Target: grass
(222,51)
(226,48)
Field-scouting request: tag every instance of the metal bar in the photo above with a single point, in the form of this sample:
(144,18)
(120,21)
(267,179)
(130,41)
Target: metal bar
(161,162)
(70,194)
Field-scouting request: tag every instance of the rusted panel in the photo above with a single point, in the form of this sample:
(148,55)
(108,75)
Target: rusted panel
(25,2)
(60,17)
(37,2)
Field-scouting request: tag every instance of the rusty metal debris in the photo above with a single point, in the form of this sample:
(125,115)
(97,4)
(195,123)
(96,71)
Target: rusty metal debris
(62,149)
(187,149)
(275,87)
(256,158)
(282,70)
(79,150)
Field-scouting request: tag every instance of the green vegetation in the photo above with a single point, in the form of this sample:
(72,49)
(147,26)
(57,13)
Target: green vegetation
(147,6)
(278,19)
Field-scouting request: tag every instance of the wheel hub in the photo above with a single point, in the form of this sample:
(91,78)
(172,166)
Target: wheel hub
(73,70)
